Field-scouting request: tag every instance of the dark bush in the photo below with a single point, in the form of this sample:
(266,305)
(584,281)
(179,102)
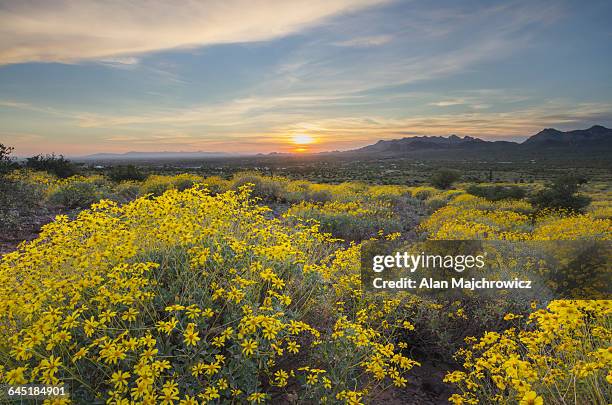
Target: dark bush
(6,164)
(53,164)
(562,194)
(444,178)
(123,173)
(19,202)
(266,188)
(496,193)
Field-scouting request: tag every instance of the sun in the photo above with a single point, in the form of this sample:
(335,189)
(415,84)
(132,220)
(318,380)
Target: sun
(302,139)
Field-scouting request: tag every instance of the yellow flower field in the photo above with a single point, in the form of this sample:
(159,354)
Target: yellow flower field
(195,293)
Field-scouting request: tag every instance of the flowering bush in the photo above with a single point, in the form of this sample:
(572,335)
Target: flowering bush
(351,220)
(188,297)
(557,354)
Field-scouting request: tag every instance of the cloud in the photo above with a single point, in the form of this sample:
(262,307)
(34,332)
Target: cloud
(515,124)
(449,103)
(68,31)
(365,42)
(121,62)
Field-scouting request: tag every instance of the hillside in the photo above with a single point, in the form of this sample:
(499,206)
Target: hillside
(594,142)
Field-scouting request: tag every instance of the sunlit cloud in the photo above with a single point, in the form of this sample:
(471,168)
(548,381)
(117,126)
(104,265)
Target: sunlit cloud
(448,103)
(69,31)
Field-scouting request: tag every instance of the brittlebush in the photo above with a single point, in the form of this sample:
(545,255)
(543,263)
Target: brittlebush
(558,354)
(188,298)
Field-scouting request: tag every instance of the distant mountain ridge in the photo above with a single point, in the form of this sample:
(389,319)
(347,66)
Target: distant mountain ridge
(551,136)
(154,155)
(595,137)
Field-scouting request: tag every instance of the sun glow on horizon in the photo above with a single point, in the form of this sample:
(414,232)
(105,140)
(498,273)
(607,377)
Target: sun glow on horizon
(303,139)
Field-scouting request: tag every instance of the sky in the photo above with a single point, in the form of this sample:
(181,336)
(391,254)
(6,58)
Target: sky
(249,76)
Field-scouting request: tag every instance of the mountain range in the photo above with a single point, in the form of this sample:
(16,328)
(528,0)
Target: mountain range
(594,142)
(155,155)
(549,143)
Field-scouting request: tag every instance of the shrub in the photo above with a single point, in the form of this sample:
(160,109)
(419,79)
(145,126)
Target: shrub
(6,164)
(184,181)
(127,191)
(561,194)
(216,184)
(78,194)
(156,185)
(423,193)
(123,173)
(434,204)
(496,193)
(350,221)
(444,178)
(53,164)
(19,201)
(558,353)
(320,196)
(188,295)
(266,188)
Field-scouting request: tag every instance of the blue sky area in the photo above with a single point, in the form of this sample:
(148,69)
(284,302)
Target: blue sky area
(261,76)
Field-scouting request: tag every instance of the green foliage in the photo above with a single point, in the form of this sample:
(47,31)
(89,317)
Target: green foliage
(434,204)
(78,194)
(53,164)
(18,202)
(266,188)
(562,193)
(127,172)
(349,221)
(444,178)
(497,193)
(127,191)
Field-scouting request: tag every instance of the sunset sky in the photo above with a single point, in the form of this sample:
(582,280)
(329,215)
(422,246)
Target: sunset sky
(79,77)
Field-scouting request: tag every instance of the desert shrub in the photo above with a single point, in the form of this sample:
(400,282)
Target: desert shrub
(469,201)
(548,356)
(184,181)
(423,193)
(43,180)
(266,188)
(434,204)
(397,196)
(556,353)
(320,196)
(216,184)
(188,295)
(601,209)
(56,165)
(127,191)
(78,194)
(19,200)
(123,173)
(350,221)
(156,185)
(562,193)
(496,193)
(444,178)
(6,163)
(555,225)
(297,191)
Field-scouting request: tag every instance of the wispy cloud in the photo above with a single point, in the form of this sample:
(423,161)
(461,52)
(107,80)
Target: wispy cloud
(449,103)
(68,31)
(365,42)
